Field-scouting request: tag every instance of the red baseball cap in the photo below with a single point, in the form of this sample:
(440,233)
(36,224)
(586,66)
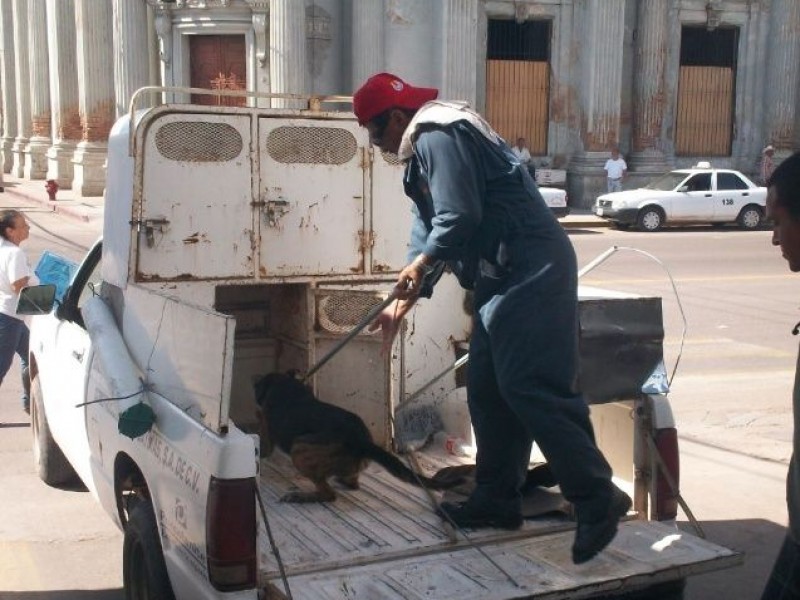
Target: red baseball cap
(384,91)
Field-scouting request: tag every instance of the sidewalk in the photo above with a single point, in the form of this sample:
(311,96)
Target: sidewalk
(90,210)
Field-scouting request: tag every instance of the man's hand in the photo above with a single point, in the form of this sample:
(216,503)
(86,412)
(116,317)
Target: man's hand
(389,321)
(409,282)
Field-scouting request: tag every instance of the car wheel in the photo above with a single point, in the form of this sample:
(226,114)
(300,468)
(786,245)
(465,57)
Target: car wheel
(651,218)
(51,464)
(144,572)
(750,217)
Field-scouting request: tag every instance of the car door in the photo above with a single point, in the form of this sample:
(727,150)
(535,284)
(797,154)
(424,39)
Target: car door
(64,373)
(731,195)
(695,203)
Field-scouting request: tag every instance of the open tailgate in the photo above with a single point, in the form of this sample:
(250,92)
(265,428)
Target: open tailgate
(384,542)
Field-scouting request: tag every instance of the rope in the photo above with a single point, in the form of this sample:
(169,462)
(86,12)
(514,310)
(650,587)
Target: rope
(272,544)
(673,484)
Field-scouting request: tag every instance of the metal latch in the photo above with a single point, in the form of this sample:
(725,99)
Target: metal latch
(275,209)
(149,226)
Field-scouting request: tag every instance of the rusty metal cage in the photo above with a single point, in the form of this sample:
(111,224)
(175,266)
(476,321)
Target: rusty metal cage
(190,141)
(311,145)
(339,311)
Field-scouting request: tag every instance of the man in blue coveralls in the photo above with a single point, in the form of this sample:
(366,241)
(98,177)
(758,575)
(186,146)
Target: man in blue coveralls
(478,211)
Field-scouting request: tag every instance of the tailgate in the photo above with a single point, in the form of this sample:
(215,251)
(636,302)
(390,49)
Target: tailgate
(642,554)
(384,542)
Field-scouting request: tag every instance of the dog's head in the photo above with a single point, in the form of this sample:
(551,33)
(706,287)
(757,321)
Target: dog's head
(273,387)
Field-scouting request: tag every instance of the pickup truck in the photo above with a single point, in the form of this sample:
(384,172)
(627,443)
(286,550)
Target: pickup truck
(240,241)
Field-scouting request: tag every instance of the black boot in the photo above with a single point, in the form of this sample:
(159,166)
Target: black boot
(473,516)
(592,537)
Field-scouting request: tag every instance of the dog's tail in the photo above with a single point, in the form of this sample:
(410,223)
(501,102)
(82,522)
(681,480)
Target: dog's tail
(396,467)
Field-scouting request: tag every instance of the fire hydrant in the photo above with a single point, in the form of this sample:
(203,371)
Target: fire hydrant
(51,187)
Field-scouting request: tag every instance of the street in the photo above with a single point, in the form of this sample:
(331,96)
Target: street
(731,396)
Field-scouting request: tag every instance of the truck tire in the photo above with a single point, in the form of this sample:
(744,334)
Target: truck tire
(51,464)
(144,572)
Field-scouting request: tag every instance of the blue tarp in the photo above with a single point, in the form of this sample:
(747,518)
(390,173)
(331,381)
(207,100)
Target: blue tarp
(57,270)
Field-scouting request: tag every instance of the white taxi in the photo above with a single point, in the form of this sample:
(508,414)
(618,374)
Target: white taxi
(700,194)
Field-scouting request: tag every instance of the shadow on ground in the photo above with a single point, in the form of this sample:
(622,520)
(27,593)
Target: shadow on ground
(759,540)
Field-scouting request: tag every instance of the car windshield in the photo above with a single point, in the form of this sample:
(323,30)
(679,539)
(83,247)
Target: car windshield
(667,182)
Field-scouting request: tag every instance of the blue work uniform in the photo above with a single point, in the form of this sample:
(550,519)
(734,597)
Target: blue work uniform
(478,210)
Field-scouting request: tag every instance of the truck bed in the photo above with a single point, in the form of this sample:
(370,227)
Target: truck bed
(384,541)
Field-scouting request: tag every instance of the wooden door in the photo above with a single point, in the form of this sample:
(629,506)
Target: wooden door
(705,111)
(218,62)
(517,95)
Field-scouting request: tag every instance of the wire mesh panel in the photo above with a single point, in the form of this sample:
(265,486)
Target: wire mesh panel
(311,145)
(340,311)
(188,141)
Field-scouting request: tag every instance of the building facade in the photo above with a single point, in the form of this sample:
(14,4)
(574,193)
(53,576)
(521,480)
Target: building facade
(668,82)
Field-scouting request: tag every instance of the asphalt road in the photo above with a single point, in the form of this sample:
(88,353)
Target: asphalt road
(731,396)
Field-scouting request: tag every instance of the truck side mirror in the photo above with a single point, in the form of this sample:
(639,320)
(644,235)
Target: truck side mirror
(683,188)
(36,299)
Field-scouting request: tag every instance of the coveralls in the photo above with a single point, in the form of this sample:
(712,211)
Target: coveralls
(478,210)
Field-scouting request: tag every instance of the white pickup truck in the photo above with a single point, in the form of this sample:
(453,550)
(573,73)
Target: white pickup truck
(243,241)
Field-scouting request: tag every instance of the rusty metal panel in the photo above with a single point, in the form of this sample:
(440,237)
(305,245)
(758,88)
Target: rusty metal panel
(517,97)
(196,216)
(312,193)
(705,111)
(391,214)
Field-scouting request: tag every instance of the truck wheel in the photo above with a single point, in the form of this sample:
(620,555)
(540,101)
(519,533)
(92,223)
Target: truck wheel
(144,572)
(51,464)
(750,217)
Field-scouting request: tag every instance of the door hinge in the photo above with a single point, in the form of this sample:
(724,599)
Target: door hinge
(149,226)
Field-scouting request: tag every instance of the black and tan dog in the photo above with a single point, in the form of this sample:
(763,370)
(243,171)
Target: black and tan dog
(322,440)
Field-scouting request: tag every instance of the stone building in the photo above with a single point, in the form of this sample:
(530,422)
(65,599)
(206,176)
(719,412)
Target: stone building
(669,82)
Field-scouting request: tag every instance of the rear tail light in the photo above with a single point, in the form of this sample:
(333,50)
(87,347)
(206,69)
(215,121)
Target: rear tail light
(231,534)
(666,502)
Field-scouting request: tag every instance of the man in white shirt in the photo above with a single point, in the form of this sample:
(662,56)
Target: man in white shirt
(616,169)
(520,150)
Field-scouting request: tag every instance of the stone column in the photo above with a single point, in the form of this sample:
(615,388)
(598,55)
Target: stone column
(783,76)
(649,101)
(460,51)
(23,84)
(131,53)
(66,118)
(602,26)
(367,41)
(9,84)
(260,20)
(41,139)
(287,57)
(93,21)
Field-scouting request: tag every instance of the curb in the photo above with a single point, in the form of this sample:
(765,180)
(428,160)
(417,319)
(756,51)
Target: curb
(56,206)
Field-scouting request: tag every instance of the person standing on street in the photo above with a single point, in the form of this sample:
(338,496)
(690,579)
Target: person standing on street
(14,275)
(616,168)
(783,209)
(478,213)
(767,166)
